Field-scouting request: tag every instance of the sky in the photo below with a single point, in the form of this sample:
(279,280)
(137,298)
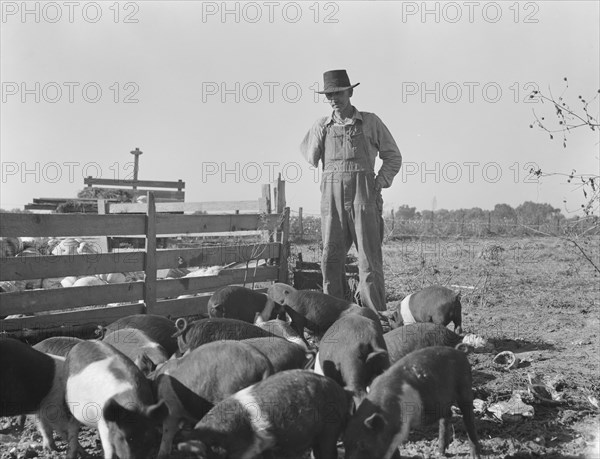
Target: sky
(220,95)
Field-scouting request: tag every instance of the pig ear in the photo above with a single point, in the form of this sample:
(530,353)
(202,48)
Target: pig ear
(258,320)
(375,422)
(378,361)
(158,412)
(112,411)
(350,402)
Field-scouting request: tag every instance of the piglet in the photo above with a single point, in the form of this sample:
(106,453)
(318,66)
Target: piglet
(403,340)
(435,303)
(352,353)
(241,303)
(136,345)
(418,389)
(314,310)
(57,345)
(192,384)
(158,328)
(33,382)
(191,336)
(104,389)
(285,414)
(283,354)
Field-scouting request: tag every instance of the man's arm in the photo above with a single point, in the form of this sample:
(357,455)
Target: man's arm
(389,154)
(312,147)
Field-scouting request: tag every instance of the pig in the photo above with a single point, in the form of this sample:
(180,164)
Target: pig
(57,345)
(435,303)
(352,353)
(135,344)
(190,336)
(285,414)
(281,328)
(241,303)
(158,328)
(283,354)
(192,384)
(418,389)
(404,340)
(314,310)
(104,389)
(33,382)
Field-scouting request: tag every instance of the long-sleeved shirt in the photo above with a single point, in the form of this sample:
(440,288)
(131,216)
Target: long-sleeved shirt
(378,140)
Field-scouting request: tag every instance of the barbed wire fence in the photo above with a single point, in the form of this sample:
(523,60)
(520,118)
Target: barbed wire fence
(306,227)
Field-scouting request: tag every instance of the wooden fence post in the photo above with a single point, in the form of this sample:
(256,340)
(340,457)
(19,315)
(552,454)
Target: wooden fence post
(300,224)
(104,246)
(279,195)
(284,229)
(265,207)
(283,256)
(150,258)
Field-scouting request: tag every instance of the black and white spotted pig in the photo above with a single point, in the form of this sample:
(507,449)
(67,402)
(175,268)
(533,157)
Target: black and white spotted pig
(195,334)
(314,310)
(286,414)
(435,303)
(352,353)
(419,389)
(136,345)
(194,383)
(104,389)
(158,328)
(34,382)
(57,345)
(408,338)
(283,354)
(241,303)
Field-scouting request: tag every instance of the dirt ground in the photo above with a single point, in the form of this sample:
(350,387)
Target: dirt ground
(538,298)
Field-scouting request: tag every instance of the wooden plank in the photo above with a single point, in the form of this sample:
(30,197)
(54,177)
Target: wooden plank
(57,225)
(187,285)
(99,316)
(23,268)
(62,200)
(90,181)
(215,255)
(283,259)
(198,224)
(45,300)
(40,206)
(187,207)
(150,264)
(160,194)
(182,307)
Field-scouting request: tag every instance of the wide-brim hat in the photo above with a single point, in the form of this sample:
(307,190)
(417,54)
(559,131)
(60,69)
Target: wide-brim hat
(335,81)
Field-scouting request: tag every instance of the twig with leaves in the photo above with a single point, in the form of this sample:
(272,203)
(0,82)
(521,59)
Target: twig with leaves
(568,120)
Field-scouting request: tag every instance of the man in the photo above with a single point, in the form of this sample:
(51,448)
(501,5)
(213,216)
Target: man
(347,143)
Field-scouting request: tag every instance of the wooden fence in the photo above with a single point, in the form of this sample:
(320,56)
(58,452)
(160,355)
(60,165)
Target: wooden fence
(61,309)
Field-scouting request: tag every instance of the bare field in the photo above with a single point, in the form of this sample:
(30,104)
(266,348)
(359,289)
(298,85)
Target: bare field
(538,298)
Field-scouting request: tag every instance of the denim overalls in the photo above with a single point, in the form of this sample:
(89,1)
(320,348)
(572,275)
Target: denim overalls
(351,212)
